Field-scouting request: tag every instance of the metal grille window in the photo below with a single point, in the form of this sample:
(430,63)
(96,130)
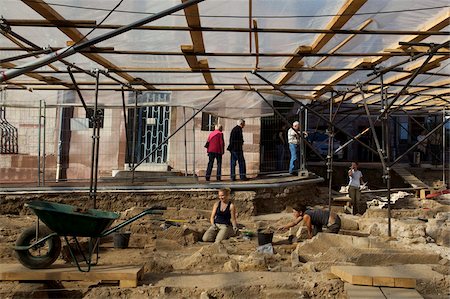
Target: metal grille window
(152,127)
(100,114)
(209,121)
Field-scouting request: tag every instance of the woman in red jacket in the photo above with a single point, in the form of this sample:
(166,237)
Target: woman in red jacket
(215,149)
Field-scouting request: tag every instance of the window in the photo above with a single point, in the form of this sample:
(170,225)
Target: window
(209,121)
(100,114)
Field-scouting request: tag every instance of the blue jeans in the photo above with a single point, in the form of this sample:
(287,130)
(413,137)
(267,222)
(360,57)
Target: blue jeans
(293,148)
(239,158)
(218,157)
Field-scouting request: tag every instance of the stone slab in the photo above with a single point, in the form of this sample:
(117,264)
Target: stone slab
(367,292)
(399,293)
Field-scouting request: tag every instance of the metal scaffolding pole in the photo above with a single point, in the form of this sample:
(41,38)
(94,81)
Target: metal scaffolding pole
(124,110)
(65,52)
(133,140)
(330,151)
(284,119)
(95,144)
(276,87)
(185,144)
(419,142)
(178,129)
(443,149)
(193,144)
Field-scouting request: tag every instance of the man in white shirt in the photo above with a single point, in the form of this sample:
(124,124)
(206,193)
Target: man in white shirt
(354,186)
(294,141)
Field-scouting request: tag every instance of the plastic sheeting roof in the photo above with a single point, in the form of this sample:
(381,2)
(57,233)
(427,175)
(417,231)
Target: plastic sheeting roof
(222,22)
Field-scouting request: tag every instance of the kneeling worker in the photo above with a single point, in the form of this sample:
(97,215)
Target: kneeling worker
(314,221)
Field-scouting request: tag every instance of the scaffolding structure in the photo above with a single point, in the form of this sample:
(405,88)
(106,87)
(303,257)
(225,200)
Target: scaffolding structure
(323,78)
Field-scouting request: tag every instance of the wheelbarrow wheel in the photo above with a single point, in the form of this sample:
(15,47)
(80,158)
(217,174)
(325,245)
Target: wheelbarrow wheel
(42,255)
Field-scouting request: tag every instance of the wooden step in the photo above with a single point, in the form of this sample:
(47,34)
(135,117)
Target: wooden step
(127,276)
(409,178)
(374,276)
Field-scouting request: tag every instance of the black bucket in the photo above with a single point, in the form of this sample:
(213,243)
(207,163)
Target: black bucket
(121,240)
(264,238)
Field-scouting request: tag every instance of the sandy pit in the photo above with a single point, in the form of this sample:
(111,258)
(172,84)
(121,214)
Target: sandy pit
(177,265)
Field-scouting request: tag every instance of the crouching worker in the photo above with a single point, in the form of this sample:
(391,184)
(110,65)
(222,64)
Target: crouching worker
(223,219)
(314,220)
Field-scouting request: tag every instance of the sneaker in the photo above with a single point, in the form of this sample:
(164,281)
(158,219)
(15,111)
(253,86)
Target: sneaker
(244,179)
(348,210)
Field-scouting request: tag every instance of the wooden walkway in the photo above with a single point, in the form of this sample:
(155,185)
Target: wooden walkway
(374,276)
(127,276)
(412,180)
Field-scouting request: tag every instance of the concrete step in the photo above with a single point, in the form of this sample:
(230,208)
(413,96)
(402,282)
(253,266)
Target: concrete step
(150,175)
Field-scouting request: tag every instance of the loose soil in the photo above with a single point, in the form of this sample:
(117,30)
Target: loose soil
(178,265)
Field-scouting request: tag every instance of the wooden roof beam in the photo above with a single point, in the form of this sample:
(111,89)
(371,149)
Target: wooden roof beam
(193,20)
(192,15)
(196,64)
(435,24)
(343,43)
(434,63)
(345,13)
(53,16)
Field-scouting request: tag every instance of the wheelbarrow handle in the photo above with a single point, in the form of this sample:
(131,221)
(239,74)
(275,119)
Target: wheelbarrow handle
(153,210)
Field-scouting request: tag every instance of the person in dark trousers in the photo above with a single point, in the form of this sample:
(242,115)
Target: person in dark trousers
(314,220)
(237,154)
(280,141)
(215,150)
(223,219)
(355,182)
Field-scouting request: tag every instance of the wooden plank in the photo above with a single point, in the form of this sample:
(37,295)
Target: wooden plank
(337,22)
(52,15)
(196,64)
(435,24)
(128,276)
(343,43)
(193,20)
(379,276)
(384,281)
(409,178)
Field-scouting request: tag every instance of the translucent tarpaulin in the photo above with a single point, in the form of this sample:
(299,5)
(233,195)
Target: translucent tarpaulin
(171,72)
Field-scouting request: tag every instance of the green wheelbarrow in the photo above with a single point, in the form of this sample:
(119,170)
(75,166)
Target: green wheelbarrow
(38,247)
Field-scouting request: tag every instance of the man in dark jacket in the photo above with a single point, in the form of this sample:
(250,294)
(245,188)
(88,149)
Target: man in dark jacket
(237,154)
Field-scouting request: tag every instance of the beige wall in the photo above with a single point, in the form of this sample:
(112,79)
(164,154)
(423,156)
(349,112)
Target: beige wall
(81,146)
(251,134)
(113,145)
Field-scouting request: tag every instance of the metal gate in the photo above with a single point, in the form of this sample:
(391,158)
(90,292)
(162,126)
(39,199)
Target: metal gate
(152,126)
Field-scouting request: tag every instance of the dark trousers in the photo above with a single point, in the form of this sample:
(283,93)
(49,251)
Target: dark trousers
(280,156)
(332,228)
(211,157)
(239,158)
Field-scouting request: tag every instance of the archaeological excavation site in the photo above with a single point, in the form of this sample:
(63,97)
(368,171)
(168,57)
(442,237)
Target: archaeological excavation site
(225,149)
